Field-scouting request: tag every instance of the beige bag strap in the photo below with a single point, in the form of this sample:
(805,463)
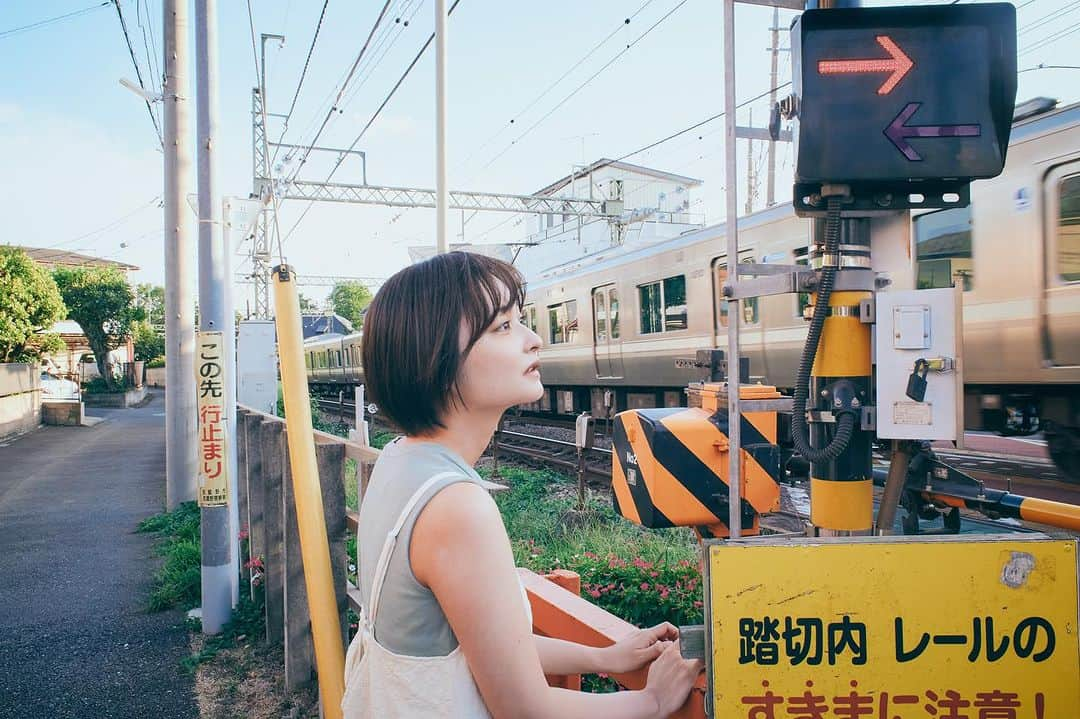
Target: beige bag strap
(391,541)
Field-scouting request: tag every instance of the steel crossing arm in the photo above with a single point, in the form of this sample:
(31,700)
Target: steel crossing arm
(413,197)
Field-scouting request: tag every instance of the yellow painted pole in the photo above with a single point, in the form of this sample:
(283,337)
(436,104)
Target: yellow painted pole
(314,547)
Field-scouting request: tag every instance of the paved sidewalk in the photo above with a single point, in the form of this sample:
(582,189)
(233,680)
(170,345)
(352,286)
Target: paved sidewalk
(75,637)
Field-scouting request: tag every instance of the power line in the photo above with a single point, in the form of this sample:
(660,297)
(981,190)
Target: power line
(696,125)
(50,21)
(138,72)
(1044,66)
(385,102)
(1051,39)
(622,24)
(382,46)
(584,84)
(1049,17)
(303,73)
(151,57)
(266,150)
(114,223)
(344,86)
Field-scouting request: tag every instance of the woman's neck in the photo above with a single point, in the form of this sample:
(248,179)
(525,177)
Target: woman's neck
(467,434)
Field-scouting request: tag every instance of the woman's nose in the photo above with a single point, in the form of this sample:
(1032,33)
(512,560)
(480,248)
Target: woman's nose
(532,340)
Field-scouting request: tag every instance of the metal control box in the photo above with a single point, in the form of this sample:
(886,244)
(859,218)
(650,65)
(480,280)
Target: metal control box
(918,325)
(257,365)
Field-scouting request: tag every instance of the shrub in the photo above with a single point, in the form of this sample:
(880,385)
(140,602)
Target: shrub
(643,576)
(156,362)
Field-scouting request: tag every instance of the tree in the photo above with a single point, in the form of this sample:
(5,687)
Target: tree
(149,343)
(350,299)
(29,303)
(103,303)
(151,298)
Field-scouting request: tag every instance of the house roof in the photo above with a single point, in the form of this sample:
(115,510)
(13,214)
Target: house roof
(619,165)
(62,258)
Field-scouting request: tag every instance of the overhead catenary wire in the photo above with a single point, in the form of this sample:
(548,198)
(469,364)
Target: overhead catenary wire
(580,87)
(115,223)
(138,71)
(621,26)
(1051,39)
(341,92)
(303,73)
(374,116)
(49,21)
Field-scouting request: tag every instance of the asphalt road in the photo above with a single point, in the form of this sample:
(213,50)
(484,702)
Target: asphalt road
(75,637)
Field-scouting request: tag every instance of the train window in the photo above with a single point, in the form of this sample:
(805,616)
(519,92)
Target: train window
(1069,229)
(613,312)
(663,305)
(562,319)
(943,249)
(749,306)
(528,317)
(600,313)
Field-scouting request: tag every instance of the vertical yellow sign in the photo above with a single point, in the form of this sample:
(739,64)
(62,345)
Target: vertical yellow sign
(883,628)
(210,389)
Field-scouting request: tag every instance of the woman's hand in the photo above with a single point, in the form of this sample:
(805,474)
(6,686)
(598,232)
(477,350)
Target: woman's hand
(638,649)
(671,678)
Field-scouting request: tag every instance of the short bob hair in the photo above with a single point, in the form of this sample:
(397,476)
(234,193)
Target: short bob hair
(412,354)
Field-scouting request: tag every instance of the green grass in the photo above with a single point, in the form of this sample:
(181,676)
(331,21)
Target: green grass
(178,582)
(547,530)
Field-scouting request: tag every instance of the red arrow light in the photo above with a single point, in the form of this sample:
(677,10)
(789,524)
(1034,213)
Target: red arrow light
(898,64)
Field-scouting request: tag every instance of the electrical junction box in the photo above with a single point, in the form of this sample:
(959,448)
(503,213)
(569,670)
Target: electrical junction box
(917,325)
(257,365)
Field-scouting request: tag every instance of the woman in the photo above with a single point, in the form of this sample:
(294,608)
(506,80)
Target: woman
(446,630)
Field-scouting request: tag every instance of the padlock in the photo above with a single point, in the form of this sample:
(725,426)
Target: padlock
(916,384)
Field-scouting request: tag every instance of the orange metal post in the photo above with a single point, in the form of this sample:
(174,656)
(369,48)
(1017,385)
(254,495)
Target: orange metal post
(571,582)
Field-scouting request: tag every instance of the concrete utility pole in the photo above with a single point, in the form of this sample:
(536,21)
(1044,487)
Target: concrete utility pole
(180,436)
(442,194)
(220,567)
(770,183)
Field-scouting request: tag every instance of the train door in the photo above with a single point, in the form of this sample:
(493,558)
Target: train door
(607,335)
(1062,222)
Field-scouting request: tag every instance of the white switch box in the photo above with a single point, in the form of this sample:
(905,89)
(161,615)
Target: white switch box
(911,327)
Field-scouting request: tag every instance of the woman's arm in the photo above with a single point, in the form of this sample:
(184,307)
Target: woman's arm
(631,653)
(460,550)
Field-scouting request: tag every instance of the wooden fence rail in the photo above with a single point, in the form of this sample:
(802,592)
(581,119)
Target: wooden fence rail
(268,512)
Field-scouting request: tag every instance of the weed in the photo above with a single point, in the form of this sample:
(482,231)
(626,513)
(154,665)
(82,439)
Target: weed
(177,583)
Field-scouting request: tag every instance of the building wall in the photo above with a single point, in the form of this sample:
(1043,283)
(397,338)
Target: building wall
(20,399)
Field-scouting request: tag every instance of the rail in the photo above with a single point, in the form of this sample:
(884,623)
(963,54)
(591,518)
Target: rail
(265,509)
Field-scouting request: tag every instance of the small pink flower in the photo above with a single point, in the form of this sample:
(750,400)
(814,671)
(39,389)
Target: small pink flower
(664,593)
(594,593)
(644,586)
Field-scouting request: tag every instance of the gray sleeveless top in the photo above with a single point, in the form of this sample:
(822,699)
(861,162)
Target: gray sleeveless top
(410,620)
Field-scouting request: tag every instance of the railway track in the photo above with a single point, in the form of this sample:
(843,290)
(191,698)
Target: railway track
(561,454)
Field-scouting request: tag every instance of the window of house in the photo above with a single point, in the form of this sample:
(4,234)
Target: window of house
(749,306)
(663,305)
(943,249)
(563,322)
(1068,244)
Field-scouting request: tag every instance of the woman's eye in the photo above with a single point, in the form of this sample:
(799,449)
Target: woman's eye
(505,325)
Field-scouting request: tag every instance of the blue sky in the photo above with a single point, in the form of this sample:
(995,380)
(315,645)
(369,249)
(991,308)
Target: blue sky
(81,153)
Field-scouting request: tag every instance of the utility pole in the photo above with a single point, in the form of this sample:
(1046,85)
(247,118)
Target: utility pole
(442,193)
(770,183)
(180,435)
(220,567)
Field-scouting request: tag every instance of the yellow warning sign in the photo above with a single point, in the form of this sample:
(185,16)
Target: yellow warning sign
(210,390)
(887,628)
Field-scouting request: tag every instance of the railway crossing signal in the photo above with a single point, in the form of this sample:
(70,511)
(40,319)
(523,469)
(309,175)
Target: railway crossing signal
(899,100)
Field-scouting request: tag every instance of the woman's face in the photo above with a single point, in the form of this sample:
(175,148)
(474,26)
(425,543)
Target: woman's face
(503,368)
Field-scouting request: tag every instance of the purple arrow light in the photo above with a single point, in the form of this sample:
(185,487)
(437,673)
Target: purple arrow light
(898,131)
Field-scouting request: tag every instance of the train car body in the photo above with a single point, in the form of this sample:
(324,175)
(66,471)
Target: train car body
(614,323)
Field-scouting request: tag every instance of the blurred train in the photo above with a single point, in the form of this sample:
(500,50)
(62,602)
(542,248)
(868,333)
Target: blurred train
(614,323)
